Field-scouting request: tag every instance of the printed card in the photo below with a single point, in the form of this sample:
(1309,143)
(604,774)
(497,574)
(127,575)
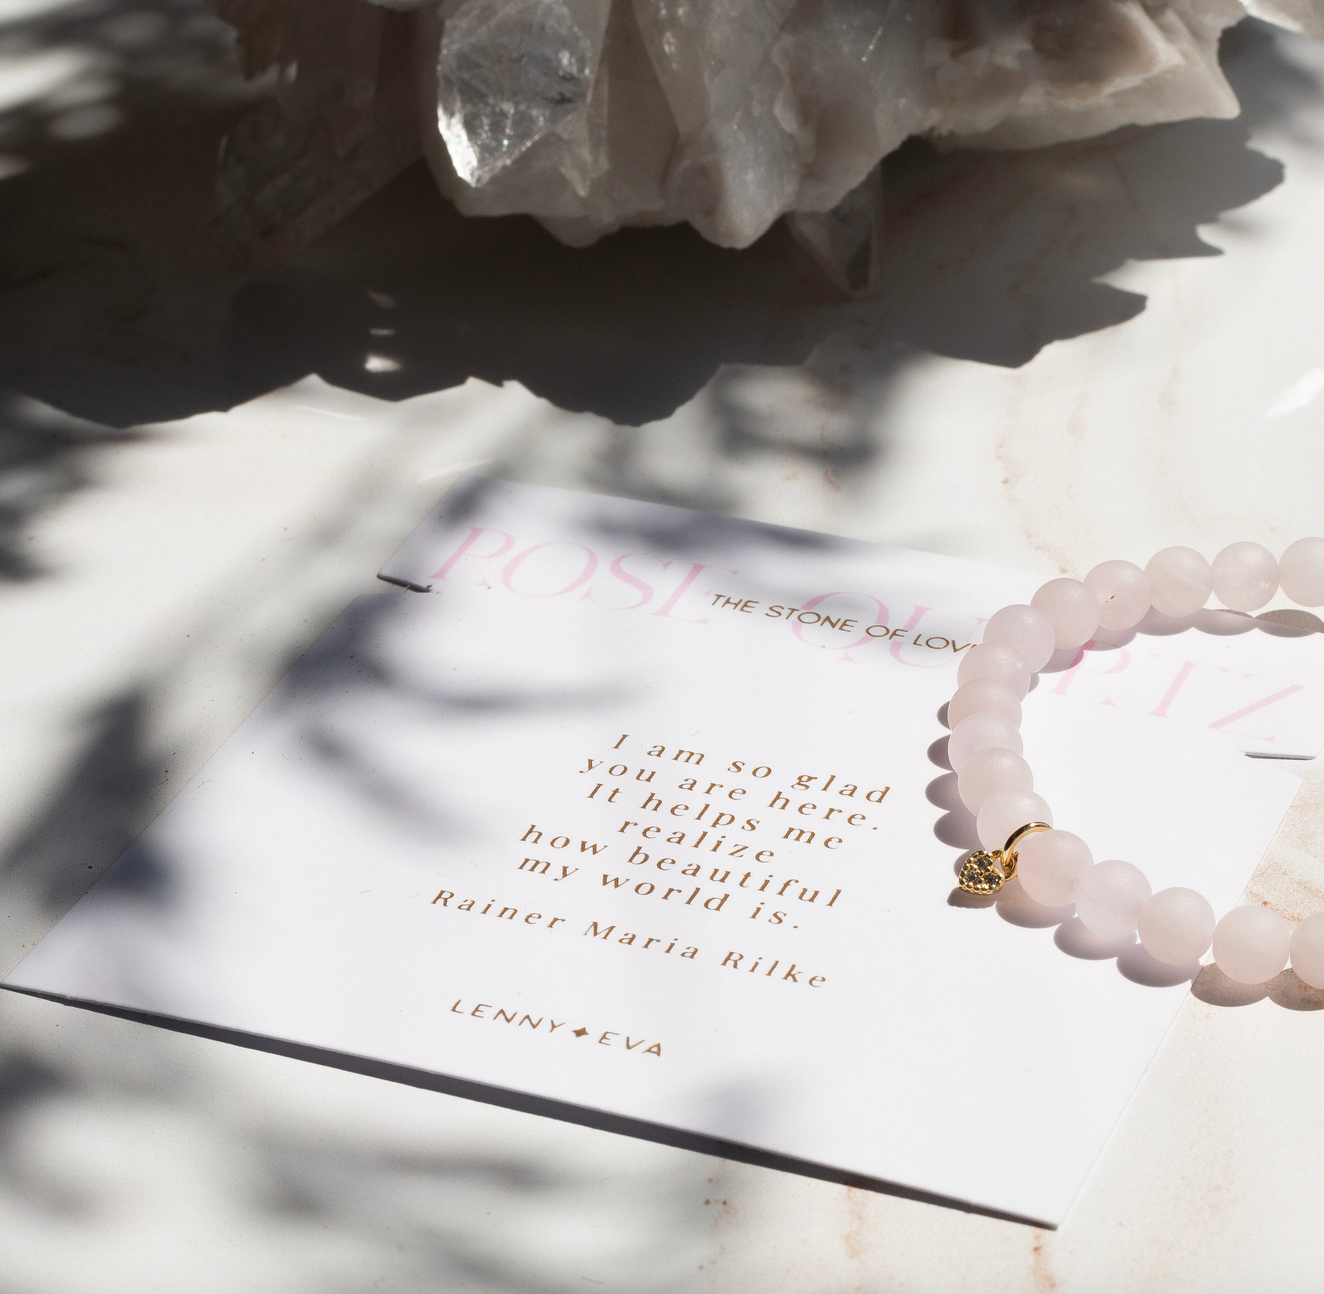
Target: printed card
(645,811)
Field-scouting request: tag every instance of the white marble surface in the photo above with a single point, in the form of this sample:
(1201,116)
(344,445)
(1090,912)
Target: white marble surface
(1089,353)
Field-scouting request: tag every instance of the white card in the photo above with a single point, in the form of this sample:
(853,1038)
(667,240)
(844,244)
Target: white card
(612,816)
(1254,680)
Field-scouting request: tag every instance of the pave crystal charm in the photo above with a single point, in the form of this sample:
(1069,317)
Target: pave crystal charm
(982,873)
(986,871)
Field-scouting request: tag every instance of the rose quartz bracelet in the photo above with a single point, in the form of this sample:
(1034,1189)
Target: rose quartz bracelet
(1113,899)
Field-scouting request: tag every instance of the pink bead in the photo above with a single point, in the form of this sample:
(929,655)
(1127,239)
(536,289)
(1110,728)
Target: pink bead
(1109,897)
(1176,926)
(1026,631)
(1072,610)
(998,662)
(1049,864)
(1245,576)
(1307,950)
(990,770)
(1124,592)
(1004,811)
(1301,570)
(1180,581)
(1250,944)
(982,694)
(978,732)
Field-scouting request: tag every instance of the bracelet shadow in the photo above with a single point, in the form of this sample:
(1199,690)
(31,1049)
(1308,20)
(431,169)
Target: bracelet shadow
(1218,622)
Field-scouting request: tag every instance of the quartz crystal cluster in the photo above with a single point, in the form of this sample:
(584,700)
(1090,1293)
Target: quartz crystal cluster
(339,125)
(593,114)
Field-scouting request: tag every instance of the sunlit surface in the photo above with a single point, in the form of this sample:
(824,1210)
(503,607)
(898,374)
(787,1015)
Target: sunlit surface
(1090,375)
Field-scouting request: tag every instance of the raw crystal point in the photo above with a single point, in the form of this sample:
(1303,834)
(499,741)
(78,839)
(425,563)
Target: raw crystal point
(339,125)
(847,240)
(582,166)
(1304,16)
(513,72)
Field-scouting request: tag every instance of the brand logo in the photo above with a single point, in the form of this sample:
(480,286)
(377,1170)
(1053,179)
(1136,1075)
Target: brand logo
(544,1026)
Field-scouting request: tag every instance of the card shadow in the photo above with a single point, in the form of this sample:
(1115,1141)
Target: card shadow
(525,1103)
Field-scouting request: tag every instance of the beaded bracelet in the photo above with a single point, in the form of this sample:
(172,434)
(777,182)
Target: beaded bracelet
(1113,899)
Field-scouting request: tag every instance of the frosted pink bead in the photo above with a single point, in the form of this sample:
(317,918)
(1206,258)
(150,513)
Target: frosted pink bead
(982,694)
(1026,631)
(978,732)
(1004,811)
(1072,610)
(1301,571)
(990,770)
(1124,592)
(1307,950)
(998,662)
(1250,944)
(1109,897)
(1245,576)
(1180,581)
(1176,926)
(1049,864)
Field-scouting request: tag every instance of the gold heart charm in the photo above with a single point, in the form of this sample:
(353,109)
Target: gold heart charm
(981,874)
